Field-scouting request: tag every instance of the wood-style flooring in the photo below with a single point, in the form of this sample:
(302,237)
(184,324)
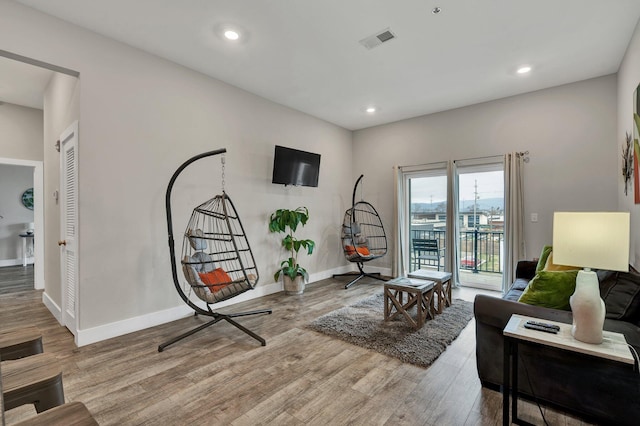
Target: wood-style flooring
(16,278)
(223,377)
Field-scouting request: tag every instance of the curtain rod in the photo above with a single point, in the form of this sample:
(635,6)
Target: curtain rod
(524,154)
(434,165)
(487,157)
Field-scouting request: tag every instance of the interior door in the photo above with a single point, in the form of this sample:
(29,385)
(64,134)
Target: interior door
(69,226)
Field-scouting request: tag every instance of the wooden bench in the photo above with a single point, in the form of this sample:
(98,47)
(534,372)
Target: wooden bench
(36,380)
(20,342)
(419,293)
(71,414)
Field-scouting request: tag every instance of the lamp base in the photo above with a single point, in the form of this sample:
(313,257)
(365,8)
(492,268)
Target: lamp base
(587,308)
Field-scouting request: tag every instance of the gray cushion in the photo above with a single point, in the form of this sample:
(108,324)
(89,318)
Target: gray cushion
(621,295)
(202,262)
(197,243)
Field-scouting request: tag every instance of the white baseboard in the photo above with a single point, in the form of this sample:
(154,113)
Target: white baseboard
(52,306)
(15,262)
(130,325)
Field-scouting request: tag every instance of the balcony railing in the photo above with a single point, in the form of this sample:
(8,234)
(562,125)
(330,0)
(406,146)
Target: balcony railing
(480,251)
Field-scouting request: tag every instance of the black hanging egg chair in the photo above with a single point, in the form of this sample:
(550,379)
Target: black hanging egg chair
(363,237)
(216,259)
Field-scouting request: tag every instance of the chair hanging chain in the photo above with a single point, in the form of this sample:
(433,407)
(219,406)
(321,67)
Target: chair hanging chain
(222,160)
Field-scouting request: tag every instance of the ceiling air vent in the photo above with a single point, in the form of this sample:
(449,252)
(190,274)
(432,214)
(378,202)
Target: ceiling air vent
(378,38)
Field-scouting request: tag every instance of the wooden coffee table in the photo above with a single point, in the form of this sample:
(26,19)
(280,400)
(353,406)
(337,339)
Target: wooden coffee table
(418,293)
(442,287)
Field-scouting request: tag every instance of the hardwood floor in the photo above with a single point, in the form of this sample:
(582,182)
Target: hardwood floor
(16,278)
(221,376)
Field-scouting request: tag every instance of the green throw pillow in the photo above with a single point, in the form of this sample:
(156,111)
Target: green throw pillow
(550,289)
(546,251)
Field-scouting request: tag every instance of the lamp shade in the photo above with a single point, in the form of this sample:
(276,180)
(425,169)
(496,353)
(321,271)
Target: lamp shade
(597,240)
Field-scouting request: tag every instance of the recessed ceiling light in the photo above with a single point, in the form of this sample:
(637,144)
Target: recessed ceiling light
(231,35)
(524,69)
(371,110)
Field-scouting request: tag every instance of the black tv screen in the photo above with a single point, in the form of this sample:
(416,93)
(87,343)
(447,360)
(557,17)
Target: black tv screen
(295,167)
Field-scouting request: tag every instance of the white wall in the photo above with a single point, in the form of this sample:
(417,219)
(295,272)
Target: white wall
(140,118)
(628,80)
(61,108)
(14,180)
(568,130)
(21,131)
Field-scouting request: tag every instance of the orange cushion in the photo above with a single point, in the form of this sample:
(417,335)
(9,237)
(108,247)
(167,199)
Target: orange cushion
(216,280)
(351,250)
(364,251)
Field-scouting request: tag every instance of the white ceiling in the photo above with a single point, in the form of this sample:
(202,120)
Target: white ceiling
(22,84)
(306,54)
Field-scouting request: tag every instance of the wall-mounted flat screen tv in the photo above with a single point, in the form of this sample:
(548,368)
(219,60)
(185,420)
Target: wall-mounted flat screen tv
(295,167)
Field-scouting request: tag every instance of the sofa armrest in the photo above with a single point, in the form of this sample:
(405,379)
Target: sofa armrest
(492,315)
(526,269)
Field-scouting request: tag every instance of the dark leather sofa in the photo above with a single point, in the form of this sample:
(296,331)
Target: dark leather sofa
(604,392)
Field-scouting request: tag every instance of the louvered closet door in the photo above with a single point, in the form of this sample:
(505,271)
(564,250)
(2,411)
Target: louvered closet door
(69,226)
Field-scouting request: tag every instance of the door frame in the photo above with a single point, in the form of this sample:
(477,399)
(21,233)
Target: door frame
(38,215)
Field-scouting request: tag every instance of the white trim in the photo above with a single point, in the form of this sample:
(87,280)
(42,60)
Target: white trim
(107,331)
(14,262)
(119,328)
(52,306)
(38,215)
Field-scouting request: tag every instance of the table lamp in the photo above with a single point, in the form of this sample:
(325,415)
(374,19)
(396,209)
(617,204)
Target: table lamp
(590,240)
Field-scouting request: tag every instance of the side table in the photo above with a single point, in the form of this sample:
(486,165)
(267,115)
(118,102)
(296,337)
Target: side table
(26,253)
(442,287)
(614,347)
(418,293)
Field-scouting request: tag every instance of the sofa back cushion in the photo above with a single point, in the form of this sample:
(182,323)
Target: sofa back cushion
(621,294)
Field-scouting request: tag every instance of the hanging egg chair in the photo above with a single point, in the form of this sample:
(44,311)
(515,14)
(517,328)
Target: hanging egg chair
(217,262)
(363,237)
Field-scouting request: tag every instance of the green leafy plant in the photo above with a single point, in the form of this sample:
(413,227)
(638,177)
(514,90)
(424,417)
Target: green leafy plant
(287,221)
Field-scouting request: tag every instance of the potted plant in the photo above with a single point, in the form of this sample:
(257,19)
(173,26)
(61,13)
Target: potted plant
(294,276)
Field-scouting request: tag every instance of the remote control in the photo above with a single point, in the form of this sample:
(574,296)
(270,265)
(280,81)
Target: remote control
(540,328)
(544,324)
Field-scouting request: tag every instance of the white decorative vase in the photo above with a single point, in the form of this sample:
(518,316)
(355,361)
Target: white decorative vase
(295,286)
(587,308)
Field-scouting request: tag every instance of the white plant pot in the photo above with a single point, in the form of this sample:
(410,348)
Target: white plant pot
(295,286)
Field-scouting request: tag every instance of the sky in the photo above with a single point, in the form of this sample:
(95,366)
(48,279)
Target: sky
(434,189)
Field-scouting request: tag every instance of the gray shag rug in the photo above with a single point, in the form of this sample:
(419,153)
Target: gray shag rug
(363,324)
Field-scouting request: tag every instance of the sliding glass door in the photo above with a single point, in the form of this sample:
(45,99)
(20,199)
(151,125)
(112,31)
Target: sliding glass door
(481,223)
(426,218)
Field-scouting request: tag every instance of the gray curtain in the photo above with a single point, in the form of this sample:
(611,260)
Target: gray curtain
(514,242)
(452,246)
(398,267)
